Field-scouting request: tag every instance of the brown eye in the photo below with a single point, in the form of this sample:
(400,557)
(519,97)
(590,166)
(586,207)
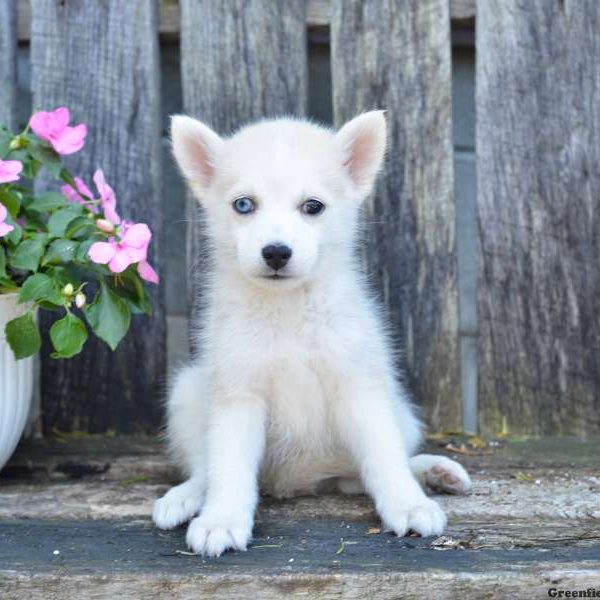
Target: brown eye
(244,205)
(312,207)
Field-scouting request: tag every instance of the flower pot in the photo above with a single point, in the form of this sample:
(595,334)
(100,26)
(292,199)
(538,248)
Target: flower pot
(16,383)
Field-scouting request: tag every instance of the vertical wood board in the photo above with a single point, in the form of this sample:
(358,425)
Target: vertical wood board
(538,173)
(100,59)
(8,62)
(396,56)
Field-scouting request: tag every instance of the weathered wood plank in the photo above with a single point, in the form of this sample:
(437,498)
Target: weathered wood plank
(101,60)
(8,62)
(241,60)
(538,172)
(318,14)
(396,56)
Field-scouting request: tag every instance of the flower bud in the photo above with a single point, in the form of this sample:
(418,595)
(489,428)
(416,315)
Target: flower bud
(68,289)
(17,142)
(80,300)
(105,225)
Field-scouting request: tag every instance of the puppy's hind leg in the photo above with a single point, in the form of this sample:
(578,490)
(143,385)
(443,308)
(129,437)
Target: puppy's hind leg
(440,473)
(186,429)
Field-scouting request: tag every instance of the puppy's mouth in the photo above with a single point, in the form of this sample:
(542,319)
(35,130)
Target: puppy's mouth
(275,276)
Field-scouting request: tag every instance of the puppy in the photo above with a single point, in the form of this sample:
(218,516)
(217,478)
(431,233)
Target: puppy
(295,384)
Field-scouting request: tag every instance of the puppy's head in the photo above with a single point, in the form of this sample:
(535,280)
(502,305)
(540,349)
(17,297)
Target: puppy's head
(281,197)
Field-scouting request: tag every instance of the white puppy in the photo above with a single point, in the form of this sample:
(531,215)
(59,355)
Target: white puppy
(295,383)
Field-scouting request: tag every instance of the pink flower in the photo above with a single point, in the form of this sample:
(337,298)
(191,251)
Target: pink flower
(54,128)
(131,248)
(9,170)
(5,228)
(81,193)
(108,200)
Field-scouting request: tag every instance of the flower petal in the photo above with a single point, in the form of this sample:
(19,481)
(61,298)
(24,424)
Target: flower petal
(39,125)
(137,235)
(5,228)
(108,199)
(48,125)
(121,261)
(83,189)
(70,140)
(147,272)
(60,117)
(102,252)
(9,170)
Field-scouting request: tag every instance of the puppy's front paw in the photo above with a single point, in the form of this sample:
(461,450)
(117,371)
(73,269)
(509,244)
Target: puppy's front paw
(213,536)
(177,506)
(425,517)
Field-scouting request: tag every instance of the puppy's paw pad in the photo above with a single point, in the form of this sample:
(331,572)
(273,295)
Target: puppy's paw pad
(212,540)
(448,476)
(177,506)
(425,518)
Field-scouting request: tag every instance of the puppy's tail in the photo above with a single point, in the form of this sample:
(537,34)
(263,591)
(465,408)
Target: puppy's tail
(441,474)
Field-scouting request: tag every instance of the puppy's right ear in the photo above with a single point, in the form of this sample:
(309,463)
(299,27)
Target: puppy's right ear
(195,146)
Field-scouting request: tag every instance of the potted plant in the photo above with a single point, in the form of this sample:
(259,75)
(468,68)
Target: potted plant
(65,250)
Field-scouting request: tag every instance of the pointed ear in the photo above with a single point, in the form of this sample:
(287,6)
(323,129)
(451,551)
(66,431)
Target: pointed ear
(362,142)
(195,146)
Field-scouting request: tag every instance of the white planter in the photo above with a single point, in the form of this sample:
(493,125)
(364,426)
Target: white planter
(16,383)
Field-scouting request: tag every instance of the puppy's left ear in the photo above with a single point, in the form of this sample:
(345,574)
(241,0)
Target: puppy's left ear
(363,141)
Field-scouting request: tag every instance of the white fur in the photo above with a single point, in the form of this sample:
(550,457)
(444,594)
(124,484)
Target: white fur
(295,385)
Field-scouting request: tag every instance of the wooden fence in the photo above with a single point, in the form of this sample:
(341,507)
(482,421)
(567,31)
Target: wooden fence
(529,338)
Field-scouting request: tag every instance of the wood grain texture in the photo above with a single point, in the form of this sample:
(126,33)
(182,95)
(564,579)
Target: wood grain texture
(101,60)
(318,14)
(8,62)
(538,172)
(241,60)
(396,56)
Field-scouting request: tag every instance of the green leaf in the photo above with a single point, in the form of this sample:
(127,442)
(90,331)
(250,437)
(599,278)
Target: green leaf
(60,220)
(109,317)
(80,227)
(132,289)
(33,221)
(31,167)
(23,336)
(60,251)
(3,274)
(47,157)
(5,138)
(28,253)
(68,336)
(47,202)
(67,178)
(40,287)
(11,202)
(14,237)
(7,286)
(82,251)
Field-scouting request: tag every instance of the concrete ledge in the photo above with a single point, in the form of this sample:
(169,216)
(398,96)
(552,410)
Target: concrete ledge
(74,522)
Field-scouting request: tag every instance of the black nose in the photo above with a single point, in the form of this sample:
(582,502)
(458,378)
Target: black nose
(276,255)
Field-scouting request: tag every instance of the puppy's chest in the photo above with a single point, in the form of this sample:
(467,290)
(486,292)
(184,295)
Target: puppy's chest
(299,381)
(293,356)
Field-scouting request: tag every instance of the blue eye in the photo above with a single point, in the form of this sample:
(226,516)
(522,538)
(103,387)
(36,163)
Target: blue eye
(244,205)
(312,207)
